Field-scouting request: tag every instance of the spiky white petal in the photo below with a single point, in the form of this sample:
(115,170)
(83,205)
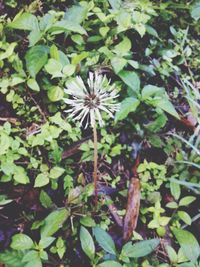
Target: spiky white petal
(87,102)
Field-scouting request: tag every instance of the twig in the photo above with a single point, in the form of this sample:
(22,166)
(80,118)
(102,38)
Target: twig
(95,163)
(11,120)
(113,210)
(39,108)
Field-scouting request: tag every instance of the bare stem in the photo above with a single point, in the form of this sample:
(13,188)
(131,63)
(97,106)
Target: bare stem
(95,177)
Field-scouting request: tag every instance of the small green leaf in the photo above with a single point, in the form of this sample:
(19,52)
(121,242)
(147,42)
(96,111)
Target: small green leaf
(45,242)
(25,21)
(131,79)
(12,258)
(36,58)
(56,172)
(188,243)
(20,175)
(118,63)
(128,105)
(139,249)
(21,242)
(185,217)
(195,11)
(54,67)
(109,264)
(32,83)
(104,240)
(53,222)
(87,221)
(87,243)
(67,25)
(45,200)
(55,93)
(42,179)
(185,201)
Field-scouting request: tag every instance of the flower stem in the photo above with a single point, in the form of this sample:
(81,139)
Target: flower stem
(95,177)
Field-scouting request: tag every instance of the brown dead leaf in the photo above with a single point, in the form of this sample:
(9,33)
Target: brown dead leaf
(132,209)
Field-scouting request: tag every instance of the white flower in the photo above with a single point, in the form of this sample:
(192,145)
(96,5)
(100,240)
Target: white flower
(87,102)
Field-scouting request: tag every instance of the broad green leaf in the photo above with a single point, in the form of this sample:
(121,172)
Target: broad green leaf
(32,83)
(185,201)
(8,51)
(53,222)
(25,21)
(20,175)
(67,25)
(46,241)
(131,79)
(172,254)
(185,217)
(87,221)
(167,106)
(109,264)
(188,243)
(195,11)
(139,249)
(12,258)
(104,240)
(36,58)
(5,143)
(175,190)
(118,63)
(123,47)
(150,91)
(115,4)
(54,67)
(42,179)
(128,105)
(21,242)
(45,200)
(76,13)
(56,172)
(140,28)
(69,69)
(55,93)
(87,242)
(31,255)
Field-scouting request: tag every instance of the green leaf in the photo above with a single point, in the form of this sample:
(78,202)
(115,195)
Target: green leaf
(42,179)
(20,175)
(21,242)
(188,243)
(167,106)
(172,254)
(12,258)
(45,200)
(184,216)
(32,83)
(139,249)
(56,172)
(77,14)
(185,201)
(195,11)
(104,240)
(109,264)
(118,64)
(25,21)
(131,79)
(36,58)
(55,93)
(128,105)
(175,190)
(87,221)
(32,255)
(115,4)
(87,243)
(46,242)
(53,222)
(54,67)
(123,47)
(67,25)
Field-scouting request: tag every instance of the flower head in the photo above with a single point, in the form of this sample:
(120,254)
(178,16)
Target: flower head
(88,101)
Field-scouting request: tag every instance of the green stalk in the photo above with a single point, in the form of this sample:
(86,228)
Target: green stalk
(95,177)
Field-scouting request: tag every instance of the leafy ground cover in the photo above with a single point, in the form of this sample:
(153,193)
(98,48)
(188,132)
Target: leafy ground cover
(143,208)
